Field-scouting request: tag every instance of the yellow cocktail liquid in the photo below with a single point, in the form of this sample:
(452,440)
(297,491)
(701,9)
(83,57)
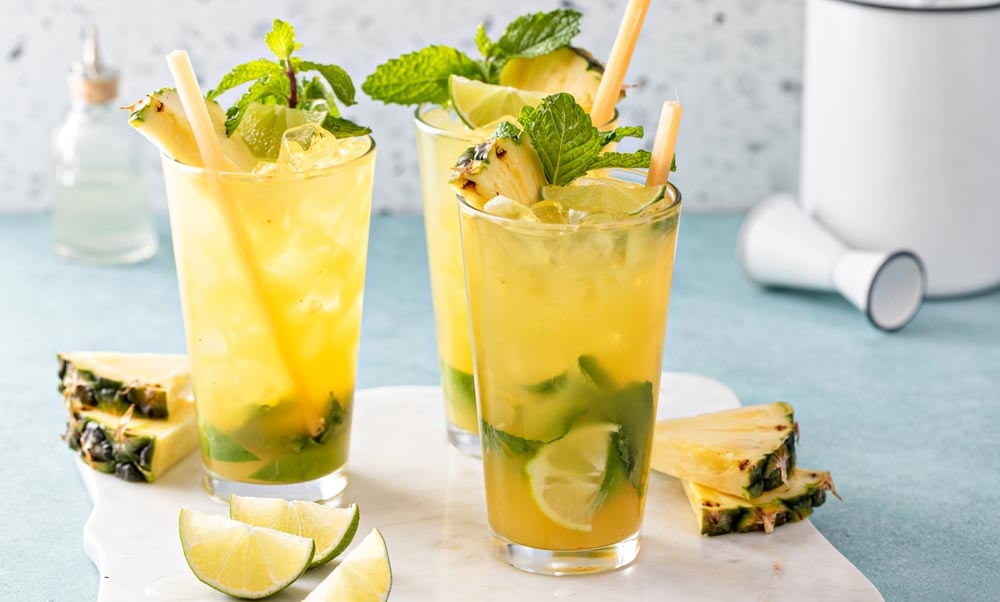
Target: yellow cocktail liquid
(441,138)
(271,413)
(568,323)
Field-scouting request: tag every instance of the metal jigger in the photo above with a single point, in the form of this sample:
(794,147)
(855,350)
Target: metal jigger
(779,245)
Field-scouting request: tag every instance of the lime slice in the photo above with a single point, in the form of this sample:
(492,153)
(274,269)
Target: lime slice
(363,576)
(566,475)
(331,528)
(241,560)
(478,103)
(597,196)
(263,125)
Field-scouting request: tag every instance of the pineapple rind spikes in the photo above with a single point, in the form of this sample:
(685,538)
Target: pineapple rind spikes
(133,449)
(155,385)
(743,451)
(719,513)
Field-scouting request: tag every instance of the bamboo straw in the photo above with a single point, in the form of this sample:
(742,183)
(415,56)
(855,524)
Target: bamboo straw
(664,143)
(610,87)
(211,154)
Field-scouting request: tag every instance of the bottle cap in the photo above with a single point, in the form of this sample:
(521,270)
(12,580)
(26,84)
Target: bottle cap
(90,82)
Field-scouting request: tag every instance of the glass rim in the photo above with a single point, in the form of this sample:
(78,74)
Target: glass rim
(466,135)
(630,221)
(203,171)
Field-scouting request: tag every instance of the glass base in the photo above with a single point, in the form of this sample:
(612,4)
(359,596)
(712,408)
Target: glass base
(566,562)
(464,441)
(323,489)
(116,257)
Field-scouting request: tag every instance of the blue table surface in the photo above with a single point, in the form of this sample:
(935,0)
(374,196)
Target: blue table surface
(906,422)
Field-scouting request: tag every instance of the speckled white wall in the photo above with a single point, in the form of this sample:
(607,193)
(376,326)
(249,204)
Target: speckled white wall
(735,64)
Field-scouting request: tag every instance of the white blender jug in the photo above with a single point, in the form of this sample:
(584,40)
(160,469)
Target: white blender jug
(901,132)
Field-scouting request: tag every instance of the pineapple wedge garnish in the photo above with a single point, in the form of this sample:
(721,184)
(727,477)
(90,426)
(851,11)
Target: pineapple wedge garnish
(160,117)
(501,166)
(131,448)
(565,69)
(743,452)
(154,384)
(719,513)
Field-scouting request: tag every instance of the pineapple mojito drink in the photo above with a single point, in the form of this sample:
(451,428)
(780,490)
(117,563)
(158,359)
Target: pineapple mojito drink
(568,265)
(459,102)
(259,422)
(270,236)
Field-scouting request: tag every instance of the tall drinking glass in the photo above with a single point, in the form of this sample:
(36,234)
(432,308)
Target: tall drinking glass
(271,270)
(568,322)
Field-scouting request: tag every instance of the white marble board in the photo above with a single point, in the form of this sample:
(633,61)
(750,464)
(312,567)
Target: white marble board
(427,500)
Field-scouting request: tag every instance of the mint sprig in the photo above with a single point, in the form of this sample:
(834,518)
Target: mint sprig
(278,82)
(422,76)
(567,142)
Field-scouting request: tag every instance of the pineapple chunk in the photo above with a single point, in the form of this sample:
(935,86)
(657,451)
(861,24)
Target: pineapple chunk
(156,385)
(743,452)
(566,69)
(501,166)
(160,117)
(133,449)
(719,513)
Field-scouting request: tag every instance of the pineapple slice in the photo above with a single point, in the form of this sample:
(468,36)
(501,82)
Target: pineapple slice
(133,449)
(743,452)
(501,166)
(156,385)
(566,69)
(160,117)
(719,513)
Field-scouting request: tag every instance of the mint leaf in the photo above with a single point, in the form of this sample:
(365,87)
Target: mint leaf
(538,34)
(266,88)
(564,137)
(343,128)
(420,76)
(529,36)
(281,40)
(618,134)
(638,159)
(549,385)
(510,445)
(507,129)
(241,74)
(220,446)
(483,42)
(338,79)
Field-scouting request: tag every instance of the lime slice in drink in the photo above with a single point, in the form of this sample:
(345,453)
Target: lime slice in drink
(331,528)
(602,196)
(241,560)
(479,103)
(566,475)
(363,576)
(263,125)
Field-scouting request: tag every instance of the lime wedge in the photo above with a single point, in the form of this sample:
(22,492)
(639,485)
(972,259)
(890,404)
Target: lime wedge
(263,125)
(241,560)
(363,576)
(331,528)
(478,103)
(603,196)
(566,475)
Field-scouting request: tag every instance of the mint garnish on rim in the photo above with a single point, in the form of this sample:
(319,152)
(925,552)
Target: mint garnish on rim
(281,82)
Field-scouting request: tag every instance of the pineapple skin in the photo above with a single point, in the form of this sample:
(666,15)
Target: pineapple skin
(744,477)
(718,513)
(501,166)
(132,449)
(83,390)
